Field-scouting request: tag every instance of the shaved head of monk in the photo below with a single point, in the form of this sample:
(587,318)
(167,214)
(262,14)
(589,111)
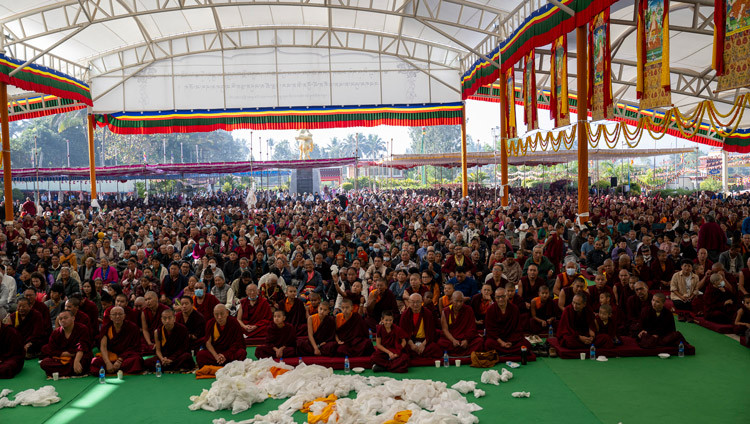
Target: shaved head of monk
(221,313)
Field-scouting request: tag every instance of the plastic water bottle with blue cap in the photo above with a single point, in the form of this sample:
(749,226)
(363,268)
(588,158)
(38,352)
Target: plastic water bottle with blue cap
(158,369)
(102,373)
(592,352)
(346,364)
(446,359)
(681,350)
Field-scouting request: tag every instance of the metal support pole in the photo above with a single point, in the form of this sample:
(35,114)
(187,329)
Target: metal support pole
(92,161)
(356,162)
(724,172)
(424,168)
(583,146)
(464,170)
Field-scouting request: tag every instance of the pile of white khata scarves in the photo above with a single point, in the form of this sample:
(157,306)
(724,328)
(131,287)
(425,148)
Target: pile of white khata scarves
(44,396)
(241,384)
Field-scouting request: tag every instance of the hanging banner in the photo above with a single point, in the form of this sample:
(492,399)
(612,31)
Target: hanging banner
(558,109)
(510,104)
(653,85)
(600,68)
(731,58)
(530,117)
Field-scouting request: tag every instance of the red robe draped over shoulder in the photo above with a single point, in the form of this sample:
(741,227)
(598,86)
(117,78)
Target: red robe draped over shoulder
(259,314)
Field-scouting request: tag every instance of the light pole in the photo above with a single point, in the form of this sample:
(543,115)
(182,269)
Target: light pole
(424,168)
(495,139)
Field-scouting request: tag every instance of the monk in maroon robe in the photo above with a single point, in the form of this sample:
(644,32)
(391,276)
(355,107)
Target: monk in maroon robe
(577,325)
(89,308)
(171,344)
(419,325)
(566,295)
(30,295)
(73,305)
(204,302)
(742,319)
(254,313)
(193,321)
(390,347)
(544,312)
(321,329)
(351,334)
(281,340)
(296,313)
(657,326)
(600,286)
(120,346)
(480,302)
(718,300)
(381,299)
(529,285)
(634,306)
(131,314)
(224,340)
(460,336)
(30,325)
(11,351)
(503,326)
(68,352)
(150,321)
(607,329)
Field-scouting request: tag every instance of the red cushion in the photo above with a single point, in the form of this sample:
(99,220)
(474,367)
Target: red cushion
(337,363)
(254,341)
(714,326)
(628,348)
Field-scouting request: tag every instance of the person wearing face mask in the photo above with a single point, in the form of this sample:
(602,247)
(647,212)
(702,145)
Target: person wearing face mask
(718,300)
(204,302)
(254,313)
(215,270)
(566,278)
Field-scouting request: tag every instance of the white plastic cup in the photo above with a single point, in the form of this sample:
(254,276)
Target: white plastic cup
(458,362)
(120,375)
(583,356)
(55,376)
(437,364)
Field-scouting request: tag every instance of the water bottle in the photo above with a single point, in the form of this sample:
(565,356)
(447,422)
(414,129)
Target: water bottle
(524,354)
(551,332)
(346,364)
(446,360)
(281,360)
(101,375)
(592,352)
(158,368)
(300,362)
(369,332)
(681,350)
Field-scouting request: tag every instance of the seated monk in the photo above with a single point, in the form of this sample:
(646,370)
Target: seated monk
(480,302)
(88,307)
(68,352)
(543,312)
(634,306)
(657,326)
(254,313)
(31,295)
(73,305)
(281,339)
(446,299)
(566,295)
(355,295)
(503,326)
(600,286)
(119,347)
(150,321)
(615,314)
(313,300)
(381,299)
(390,347)
(718,300)
(415,286)
(428,303)
(30,325)
(296,313)
(321,328)
(460,336)
(607,328)
(529,285)
(131,315)
(171,344)
(11,351)
(577,326)
(204,302)
(351,334)
(742,320)
(418,323)
(566,278)
(193,321)
(224,340)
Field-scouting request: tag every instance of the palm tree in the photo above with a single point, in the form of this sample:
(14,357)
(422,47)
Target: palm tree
(375,145)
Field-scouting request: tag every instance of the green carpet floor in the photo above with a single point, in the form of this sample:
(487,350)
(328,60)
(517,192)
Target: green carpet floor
(709,387)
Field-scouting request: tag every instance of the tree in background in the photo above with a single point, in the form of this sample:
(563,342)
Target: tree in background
(711,184)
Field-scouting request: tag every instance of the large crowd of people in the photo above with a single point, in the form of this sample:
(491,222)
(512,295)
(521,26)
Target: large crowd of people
(394,275)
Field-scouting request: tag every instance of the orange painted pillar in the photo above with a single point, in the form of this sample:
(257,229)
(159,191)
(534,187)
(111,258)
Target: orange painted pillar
(464,170)
(504,142)
(583,143)
(7,178)
(92,161)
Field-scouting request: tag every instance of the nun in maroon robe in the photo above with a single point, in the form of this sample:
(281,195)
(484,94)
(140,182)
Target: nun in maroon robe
(460,336)
(419,325)
(77,340)
(11,351)
(577,328)
(321,327)
(281,340)
(351,334)
(193,321)
(172,346)
(503,326)
(121,343)
(254,313)
(224,340)
(657,326)
(394,340)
